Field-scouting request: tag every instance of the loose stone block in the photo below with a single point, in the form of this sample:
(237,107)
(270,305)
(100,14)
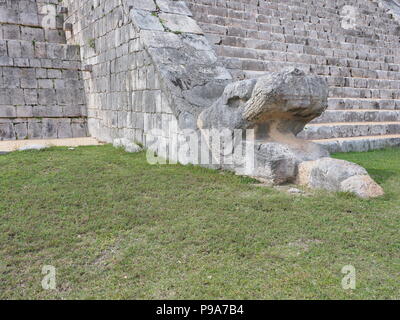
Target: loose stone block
(30,147)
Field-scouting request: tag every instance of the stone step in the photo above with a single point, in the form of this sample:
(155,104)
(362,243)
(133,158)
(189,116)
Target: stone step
(336,103)
(262,59)
(308,51)
(335,92)
(305,45)
(329,9)
(236,65)
(360,144)
(349,92)
(362,83)
(349,129)
(273,30)
(306,13)
(358,115)
(310,38)
(246,66)
(341,81)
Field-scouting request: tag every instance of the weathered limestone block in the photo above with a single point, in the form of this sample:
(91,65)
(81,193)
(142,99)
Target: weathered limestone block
(276,108)
(31,147)
(127,145)
(338,175)
(363,186)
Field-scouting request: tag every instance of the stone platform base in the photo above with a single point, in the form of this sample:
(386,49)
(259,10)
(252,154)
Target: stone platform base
(8,146)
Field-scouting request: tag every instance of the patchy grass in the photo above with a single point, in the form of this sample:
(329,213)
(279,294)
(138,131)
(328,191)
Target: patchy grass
(115,227)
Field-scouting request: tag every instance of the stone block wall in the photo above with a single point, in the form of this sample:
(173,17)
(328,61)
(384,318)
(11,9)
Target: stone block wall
(152,70)
(124,98)
(41,88)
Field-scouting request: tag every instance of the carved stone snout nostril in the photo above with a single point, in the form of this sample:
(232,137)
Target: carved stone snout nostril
(297,72)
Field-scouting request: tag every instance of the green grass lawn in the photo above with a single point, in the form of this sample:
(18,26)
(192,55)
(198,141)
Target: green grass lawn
(115,227)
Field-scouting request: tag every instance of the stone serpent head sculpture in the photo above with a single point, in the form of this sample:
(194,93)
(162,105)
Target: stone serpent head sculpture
(276,107)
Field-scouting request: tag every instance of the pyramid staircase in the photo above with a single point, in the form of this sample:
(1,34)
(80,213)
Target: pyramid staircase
(361,65)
